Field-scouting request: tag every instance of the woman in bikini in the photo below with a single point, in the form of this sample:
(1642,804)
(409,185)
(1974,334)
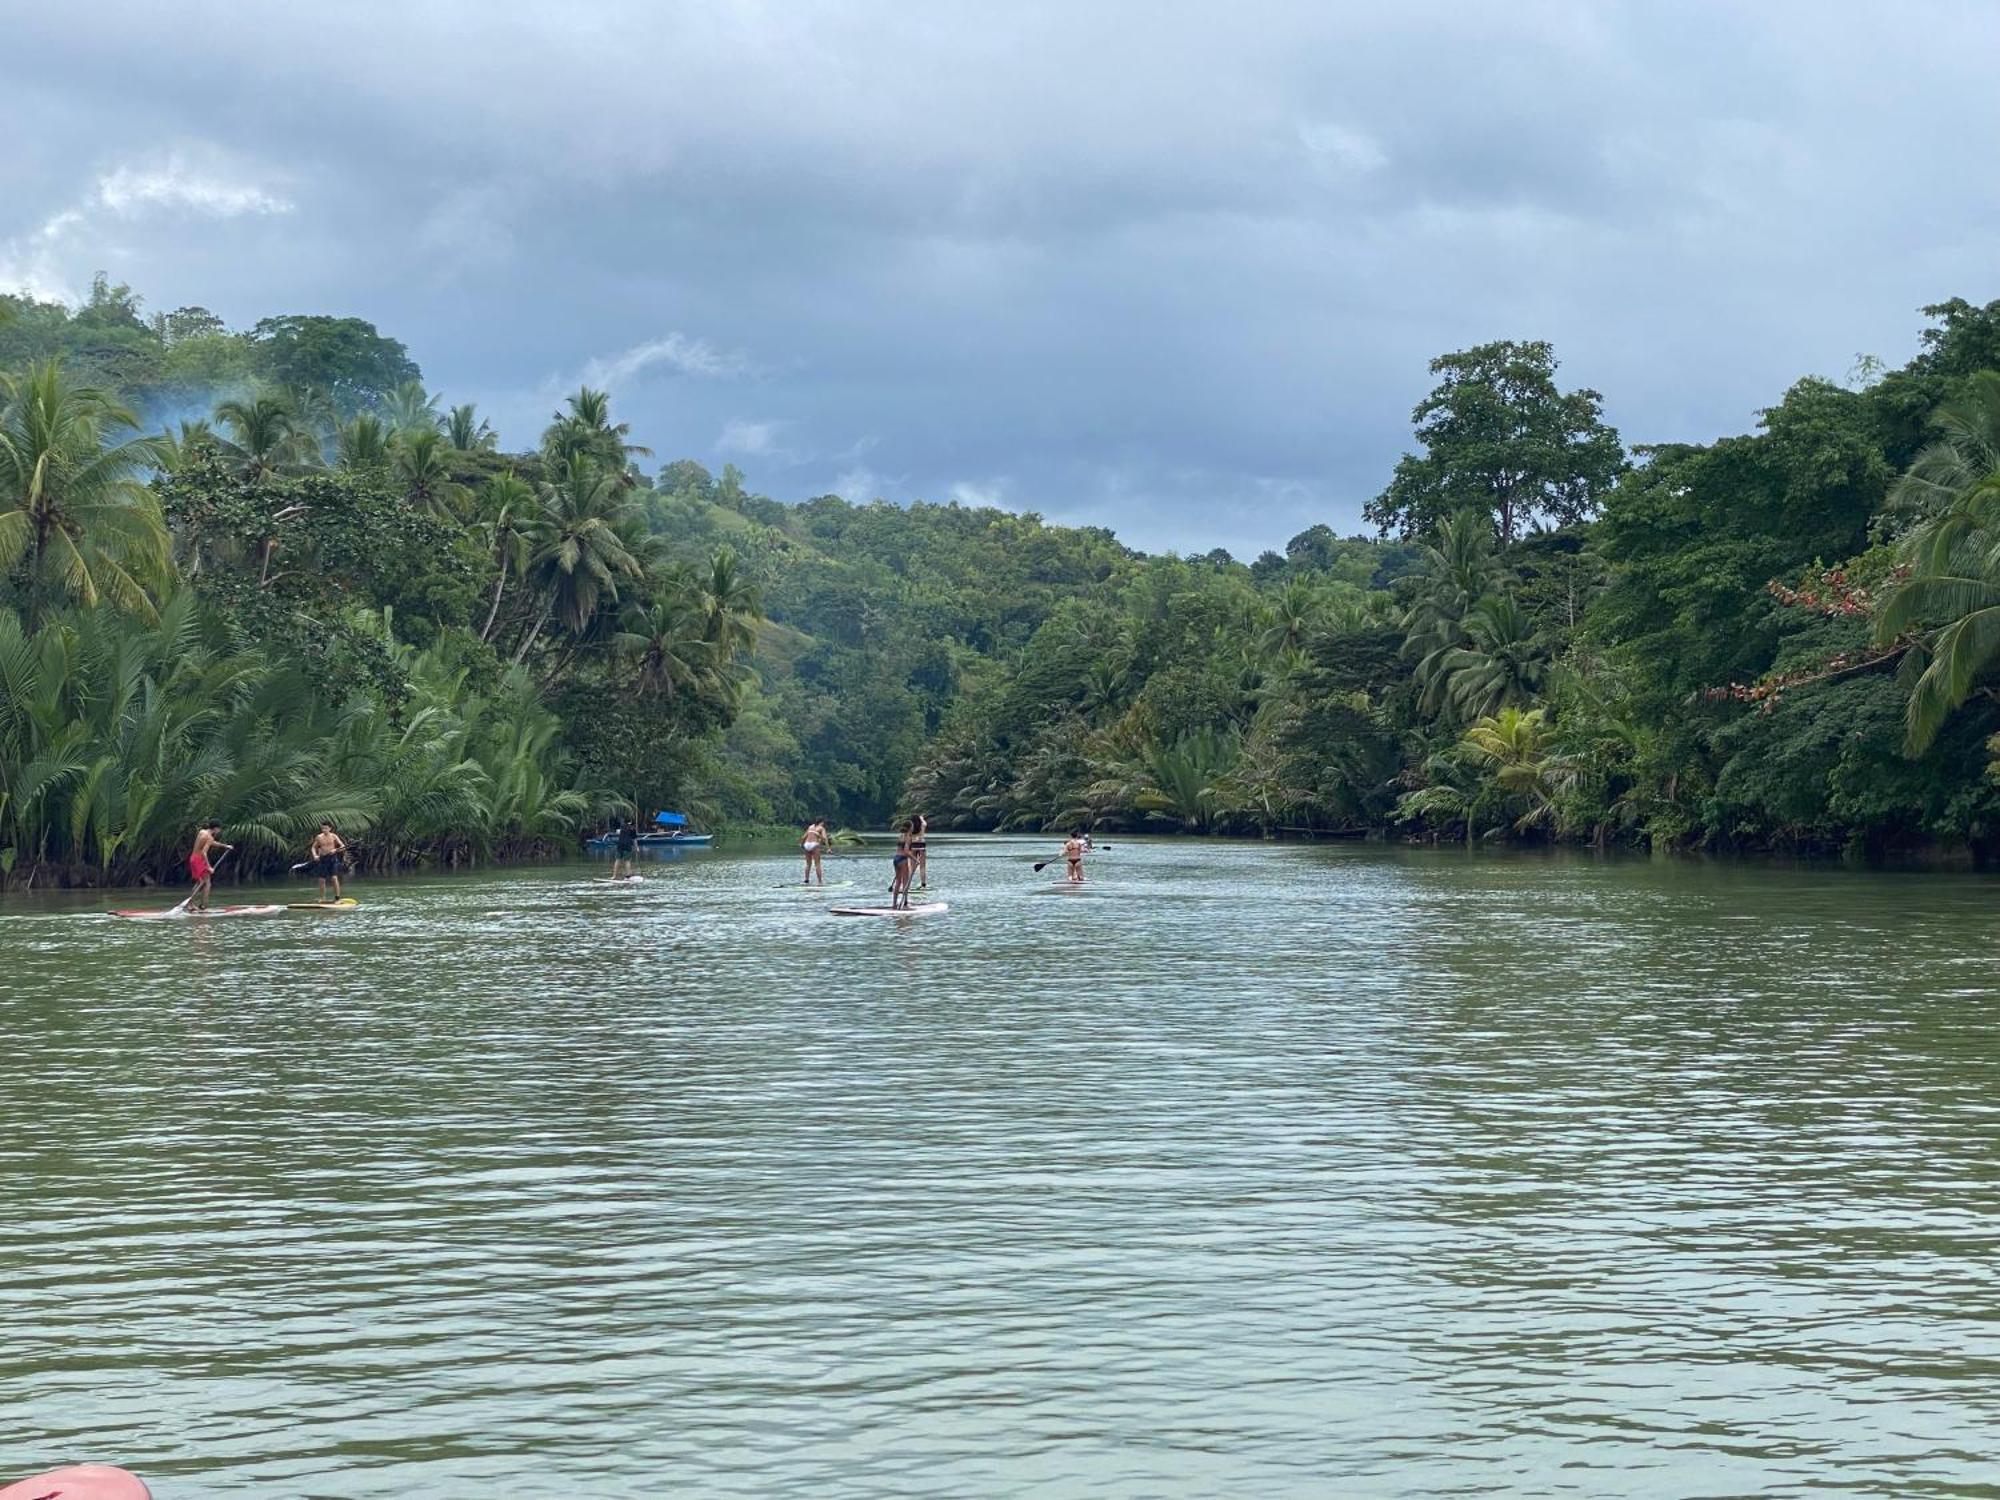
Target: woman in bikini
(899,883)
(814,844)
(920,850)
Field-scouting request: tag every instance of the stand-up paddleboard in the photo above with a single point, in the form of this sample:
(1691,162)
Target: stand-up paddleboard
(345,903)
(915,909)
(1057,887)
(622,879)
(83,1482)
(177,913)
(831,885)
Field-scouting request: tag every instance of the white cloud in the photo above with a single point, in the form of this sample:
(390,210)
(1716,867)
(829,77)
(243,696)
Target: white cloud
(48,261)
(173,182)
(752,439)
(676,351)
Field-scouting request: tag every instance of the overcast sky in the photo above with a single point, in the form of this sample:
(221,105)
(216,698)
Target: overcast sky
(1173,268)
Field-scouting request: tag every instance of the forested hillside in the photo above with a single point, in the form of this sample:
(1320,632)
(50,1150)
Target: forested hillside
(265,575)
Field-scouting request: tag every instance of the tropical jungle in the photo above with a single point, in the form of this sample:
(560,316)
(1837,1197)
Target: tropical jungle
(266,575)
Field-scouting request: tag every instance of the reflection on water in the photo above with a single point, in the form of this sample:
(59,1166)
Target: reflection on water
(1249,1171)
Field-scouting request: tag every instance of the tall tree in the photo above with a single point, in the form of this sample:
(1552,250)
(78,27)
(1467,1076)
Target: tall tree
(1500,439)
(75,514)
(345,357)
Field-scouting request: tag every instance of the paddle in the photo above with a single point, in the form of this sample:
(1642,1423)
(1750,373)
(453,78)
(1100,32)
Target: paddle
(1093,849)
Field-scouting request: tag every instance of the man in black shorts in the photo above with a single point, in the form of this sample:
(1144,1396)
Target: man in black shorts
(327,847)
(625,862)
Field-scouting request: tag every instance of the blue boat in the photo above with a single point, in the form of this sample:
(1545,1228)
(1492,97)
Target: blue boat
(670,830)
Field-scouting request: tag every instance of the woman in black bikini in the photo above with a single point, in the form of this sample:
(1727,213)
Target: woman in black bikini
(899,883)
(920,826)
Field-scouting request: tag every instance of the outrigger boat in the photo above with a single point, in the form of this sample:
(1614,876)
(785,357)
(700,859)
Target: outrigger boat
(670,831)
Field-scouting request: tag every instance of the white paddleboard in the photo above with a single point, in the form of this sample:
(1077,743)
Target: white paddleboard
(176,914)
(915,909)
(831,885)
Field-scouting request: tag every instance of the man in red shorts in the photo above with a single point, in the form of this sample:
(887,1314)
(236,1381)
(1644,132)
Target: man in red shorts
(207,841)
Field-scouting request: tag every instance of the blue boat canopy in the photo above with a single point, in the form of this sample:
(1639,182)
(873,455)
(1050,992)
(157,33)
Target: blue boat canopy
(670,820)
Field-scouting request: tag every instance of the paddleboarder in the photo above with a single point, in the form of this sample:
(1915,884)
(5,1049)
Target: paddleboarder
(1074,848)
(899,883)
(625,860)
(920,827)
(324,858)
(814,844)
(207,841)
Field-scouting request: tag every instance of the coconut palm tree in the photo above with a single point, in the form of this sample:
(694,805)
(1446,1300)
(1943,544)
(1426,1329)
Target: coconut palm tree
(1289,619)
(361,445)
(76,516)
(509,516)
(586,433)
(420,467)
(580,559)
(1950,598)
(666,642)
(468,432)
(1500,664)
(265,437)
(729,604)
(1456,569)
(1511,746)
(410,408)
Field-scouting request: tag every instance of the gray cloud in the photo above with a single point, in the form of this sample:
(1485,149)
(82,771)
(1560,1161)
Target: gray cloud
(1175,269)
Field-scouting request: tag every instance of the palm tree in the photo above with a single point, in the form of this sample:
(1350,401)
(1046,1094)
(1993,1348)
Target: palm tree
(667,643)
(1953,558)
(468,432)
(580,557)
(361,445)
(1289,620)
(409,408)
(1457,568)
(180,447)
(75,513)
(1511,746)
(586,433)
(418,461)
(265,437)
(1500,664)
(508,517)
(730,604)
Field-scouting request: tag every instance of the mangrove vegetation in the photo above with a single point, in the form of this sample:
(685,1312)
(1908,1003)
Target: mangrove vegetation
(268,576)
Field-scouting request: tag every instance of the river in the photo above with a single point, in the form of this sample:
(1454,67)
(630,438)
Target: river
(1245,1171)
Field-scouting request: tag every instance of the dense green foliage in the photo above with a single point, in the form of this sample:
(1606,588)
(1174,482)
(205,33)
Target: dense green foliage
(269,577)
(325,600)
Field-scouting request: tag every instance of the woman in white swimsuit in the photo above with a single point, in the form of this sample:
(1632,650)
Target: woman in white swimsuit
(814,844)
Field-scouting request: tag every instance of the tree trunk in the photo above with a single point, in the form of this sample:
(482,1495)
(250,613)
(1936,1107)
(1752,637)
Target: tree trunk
(526,645)
(493,613)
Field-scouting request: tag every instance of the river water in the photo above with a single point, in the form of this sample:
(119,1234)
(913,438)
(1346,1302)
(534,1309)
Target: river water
(1244,1171)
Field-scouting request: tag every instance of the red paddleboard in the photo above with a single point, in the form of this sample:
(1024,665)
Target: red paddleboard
(84,1482)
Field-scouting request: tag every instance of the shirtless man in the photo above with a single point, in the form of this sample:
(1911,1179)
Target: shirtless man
(207,841)
(1074,848)
(324,858)
(814,844)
